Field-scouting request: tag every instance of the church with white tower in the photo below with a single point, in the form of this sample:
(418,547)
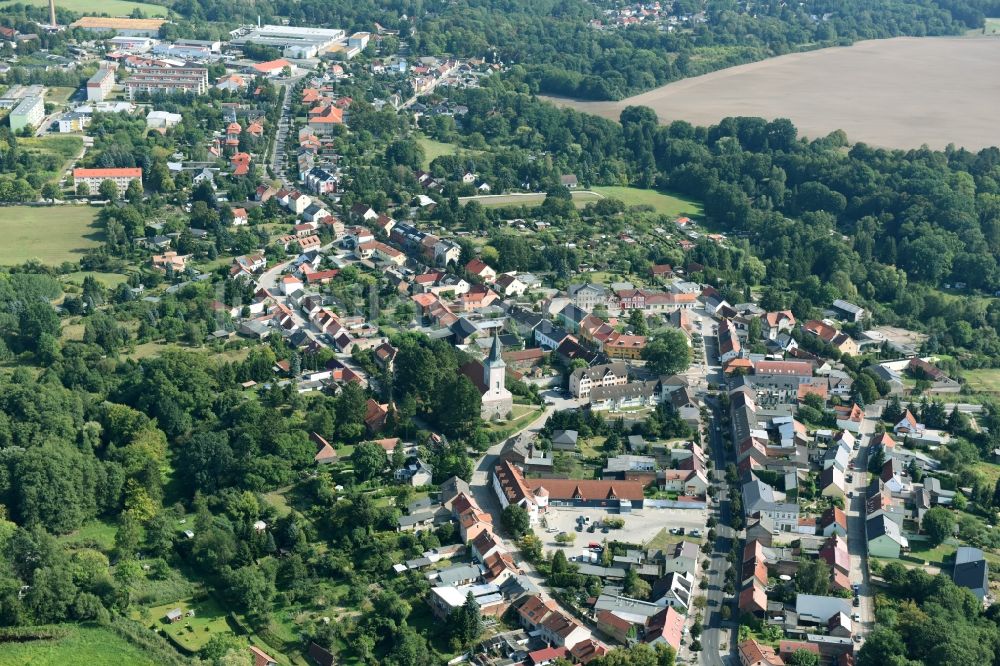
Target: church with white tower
(497,400)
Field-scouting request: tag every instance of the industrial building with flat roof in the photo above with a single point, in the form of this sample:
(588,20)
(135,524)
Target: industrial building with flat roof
(294,42)
(167,80)
(127,27)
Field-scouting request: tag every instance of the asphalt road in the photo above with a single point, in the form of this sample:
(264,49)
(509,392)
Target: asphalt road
(714,652)
(856,543)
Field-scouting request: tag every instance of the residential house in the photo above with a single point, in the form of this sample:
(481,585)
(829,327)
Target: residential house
(583,380)
(884,536)
(752,653)
(761,497)
(971,571)
(840,341)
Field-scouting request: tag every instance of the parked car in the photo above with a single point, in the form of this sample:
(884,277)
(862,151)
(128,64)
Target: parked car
(857,589)
(591,528)
(857,601)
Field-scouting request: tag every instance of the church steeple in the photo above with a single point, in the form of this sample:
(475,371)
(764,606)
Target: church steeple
(495,358)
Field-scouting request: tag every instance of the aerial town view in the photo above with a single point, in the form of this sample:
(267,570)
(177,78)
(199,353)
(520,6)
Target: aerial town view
(524,333)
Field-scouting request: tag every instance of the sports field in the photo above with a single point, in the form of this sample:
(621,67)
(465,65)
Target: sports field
(888,92)
(109,7)
(664,204)
(51,234)
(84,645)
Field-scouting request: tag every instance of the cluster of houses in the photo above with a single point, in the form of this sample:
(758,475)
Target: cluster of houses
(491,575)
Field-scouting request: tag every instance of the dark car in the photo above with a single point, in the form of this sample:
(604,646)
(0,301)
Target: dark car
(857,601)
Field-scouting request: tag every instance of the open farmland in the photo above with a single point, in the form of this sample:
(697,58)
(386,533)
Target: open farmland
(897,93)
(109,7)
(50,234)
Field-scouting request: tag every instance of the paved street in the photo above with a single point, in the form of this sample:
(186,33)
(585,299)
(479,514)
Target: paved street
(856,542)
(718,636)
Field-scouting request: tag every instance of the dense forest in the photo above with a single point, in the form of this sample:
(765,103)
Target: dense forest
(555,49)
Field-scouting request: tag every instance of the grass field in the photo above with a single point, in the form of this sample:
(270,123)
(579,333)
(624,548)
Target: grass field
(59,95)
(51,235)
(434,149)
(94,533)
(992,26)
(110,280)
(664,204)
(984,379)
(580,199)
(990,471)
(190,632)
(83,645)
(110,7)
(65,149)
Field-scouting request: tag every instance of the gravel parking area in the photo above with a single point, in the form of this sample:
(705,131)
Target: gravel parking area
(640,526)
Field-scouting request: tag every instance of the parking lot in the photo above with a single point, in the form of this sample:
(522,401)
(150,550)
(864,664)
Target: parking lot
(640,525)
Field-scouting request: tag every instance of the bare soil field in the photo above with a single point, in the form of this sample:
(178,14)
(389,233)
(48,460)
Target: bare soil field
(897,93)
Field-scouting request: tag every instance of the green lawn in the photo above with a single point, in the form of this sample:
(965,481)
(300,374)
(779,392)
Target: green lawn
(984,379)
(84,645)
(110,280)
(95,532)
(110,7)
(580,199)
(663,204)
(523,415)
(992,26)
(190,632)
(434,149)
(50,234)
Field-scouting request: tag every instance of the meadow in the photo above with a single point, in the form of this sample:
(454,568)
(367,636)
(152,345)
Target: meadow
(882,92)
(83,645)
(50,234)
(109,7)
(661,203)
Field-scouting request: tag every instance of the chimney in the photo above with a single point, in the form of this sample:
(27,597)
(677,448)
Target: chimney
(52,12)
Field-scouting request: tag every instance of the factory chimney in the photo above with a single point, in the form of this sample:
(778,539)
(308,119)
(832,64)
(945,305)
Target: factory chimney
(52,12)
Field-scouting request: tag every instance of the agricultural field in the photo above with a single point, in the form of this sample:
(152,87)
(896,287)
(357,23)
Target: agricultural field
(45,233)
(83,645)
(109,7)
(662,204)
(902,82)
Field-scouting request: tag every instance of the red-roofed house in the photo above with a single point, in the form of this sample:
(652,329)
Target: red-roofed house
(667,626)
(240,217)
(240,162)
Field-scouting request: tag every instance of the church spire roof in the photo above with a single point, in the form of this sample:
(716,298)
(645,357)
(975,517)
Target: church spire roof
(495,349)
